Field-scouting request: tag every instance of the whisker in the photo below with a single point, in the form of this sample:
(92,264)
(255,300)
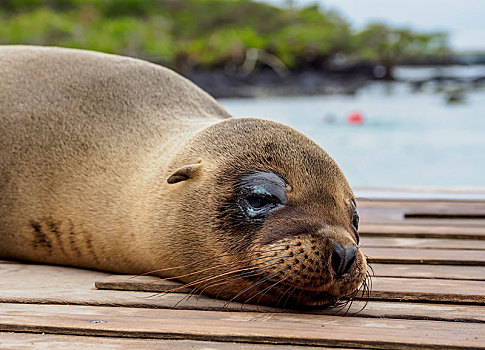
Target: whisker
(267,289)
(244,274)
(257,272)
(207,269)
(231,279)
(287,297)
(364,290)
(197,282)
(259,268)
(258,283)
(212,258)
(238,269)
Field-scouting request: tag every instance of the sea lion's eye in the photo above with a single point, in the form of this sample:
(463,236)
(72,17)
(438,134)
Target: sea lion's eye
(257,202)
(355,220)
(261,193)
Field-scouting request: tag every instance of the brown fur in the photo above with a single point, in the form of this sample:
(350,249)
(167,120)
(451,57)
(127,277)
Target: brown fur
(87,143)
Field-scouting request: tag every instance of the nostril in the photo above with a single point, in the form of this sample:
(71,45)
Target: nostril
(350,255)
(343,259)
(338,257)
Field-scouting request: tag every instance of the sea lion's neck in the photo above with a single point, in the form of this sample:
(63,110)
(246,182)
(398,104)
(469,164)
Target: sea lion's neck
(149,194)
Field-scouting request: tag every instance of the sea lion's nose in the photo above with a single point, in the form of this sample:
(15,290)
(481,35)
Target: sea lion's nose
(343,259)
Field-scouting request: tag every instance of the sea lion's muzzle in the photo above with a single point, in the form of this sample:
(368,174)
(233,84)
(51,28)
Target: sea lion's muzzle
(322,267)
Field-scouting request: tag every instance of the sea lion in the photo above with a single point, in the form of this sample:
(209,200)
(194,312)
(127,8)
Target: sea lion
(117,164)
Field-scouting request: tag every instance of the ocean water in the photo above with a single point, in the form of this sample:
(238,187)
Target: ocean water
(407,138)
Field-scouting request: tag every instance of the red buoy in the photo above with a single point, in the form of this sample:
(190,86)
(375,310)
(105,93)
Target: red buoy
(355,118)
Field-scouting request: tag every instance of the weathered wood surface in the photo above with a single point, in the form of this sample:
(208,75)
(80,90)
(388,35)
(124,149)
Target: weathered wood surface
(422,231)
(421,243)
(476,273)
(453,291)
(420,194)
(20,341)
(383,288)
(467,214)
(383,207)
(39,284)
(428,292)
(251,327)
(425,256)
(43,284)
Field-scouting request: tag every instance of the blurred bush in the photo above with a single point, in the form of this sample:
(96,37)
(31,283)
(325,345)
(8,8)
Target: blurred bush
(187,34)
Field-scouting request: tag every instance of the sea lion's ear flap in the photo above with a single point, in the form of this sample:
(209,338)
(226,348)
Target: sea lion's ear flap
(184,173)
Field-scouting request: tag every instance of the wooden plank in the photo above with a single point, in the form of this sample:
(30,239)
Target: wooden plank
(44,284)
(414,311)
(476,273)
(430,290)
(383,288)
(389,211)
(416,213)
(61,342)
(425,256)
(139,283)
(422,231)
(420,194)
(423,205)
(422,243)
(61,285)
(292,329)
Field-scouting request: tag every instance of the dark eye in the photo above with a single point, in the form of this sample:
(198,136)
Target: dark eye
(259,194)
(259,202)
(355,220)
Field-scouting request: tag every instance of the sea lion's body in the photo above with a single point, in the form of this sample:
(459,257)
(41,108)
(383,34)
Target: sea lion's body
(83,136)
(87,143)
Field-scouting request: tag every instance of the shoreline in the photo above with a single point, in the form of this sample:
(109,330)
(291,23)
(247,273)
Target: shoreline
(266,82)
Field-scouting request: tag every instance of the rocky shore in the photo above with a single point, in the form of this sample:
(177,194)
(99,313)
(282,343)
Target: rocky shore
(267,82)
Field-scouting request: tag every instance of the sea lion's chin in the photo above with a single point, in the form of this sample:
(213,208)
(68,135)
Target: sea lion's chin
(279,293)
(327,295)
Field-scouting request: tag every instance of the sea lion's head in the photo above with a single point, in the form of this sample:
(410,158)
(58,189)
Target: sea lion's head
(267,215)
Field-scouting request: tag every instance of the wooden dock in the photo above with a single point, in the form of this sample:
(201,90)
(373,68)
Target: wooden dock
(428,292)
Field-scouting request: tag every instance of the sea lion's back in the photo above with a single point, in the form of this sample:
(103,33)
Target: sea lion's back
(76,127)
(85,83)
(59,106)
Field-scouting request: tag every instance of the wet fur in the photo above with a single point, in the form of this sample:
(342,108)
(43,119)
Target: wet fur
(87,143)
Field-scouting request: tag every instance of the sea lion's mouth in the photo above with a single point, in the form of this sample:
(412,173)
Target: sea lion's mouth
(291,296)
(305,298)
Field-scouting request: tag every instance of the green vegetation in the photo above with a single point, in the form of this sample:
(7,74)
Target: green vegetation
(187,34)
